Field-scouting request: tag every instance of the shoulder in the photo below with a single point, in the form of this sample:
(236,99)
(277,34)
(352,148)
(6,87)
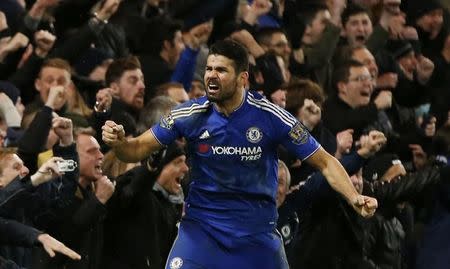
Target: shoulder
(190,108)
(265,106)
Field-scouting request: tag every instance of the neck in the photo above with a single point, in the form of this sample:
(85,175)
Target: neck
(228,106)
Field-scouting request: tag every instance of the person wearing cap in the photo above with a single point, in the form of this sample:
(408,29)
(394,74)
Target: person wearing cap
(428,18)
(144,211)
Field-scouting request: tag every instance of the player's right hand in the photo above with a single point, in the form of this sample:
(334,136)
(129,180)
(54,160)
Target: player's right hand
(365,205)
(113,134)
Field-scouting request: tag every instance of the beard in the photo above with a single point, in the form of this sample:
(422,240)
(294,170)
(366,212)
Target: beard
(223,94)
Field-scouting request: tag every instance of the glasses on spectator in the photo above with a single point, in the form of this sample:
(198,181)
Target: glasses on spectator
(362,78)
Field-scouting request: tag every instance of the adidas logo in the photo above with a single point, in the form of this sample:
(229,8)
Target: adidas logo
(204,135)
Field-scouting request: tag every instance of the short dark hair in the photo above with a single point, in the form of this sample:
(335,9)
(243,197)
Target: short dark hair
(300,89)
(232,50)
(119,66)
(310,10)
(345,53)
(351,10)
(264,35)
(160,29)
(342,73)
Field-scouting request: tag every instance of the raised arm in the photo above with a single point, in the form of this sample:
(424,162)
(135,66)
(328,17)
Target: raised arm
(340,181)
(129,149)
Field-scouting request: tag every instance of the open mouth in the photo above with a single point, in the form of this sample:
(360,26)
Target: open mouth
(366,93)
(98,169)
(213,85)
(178,180)
(139,96)
(360,38)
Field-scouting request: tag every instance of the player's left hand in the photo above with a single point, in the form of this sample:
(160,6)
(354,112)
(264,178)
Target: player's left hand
(365,205)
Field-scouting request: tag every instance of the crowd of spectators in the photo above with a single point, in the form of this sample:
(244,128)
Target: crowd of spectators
(356,73)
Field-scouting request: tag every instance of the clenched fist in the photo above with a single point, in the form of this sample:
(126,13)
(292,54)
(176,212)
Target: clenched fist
(113,134)
(365,205)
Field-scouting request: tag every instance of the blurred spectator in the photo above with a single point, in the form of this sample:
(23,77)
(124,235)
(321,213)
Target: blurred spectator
(197,88)
(351,107)
(145,210)
(153,111)
(174,90)
(81,225)
(440,85)
(19,187)
(429,21)
(124,97)
(93,64)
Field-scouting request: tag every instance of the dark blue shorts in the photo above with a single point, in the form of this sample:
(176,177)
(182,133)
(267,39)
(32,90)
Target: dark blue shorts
(199,247)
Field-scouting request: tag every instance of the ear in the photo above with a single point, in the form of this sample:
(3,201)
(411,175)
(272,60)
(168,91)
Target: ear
(38,84)
(243,78)
(166,45)
(341,87)
(115,89)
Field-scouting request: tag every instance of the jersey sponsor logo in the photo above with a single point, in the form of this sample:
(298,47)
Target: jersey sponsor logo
(298,134)
(254,135)
(245,153)
(167,122)
(176,263)
(204,135)
(203,148)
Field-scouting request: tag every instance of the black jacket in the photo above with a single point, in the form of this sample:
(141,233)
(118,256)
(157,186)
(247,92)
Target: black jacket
(141,225)
(37,206)
(339,116)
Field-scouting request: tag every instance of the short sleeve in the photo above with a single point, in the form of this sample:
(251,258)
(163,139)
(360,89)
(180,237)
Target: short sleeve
(297,140)
(166,130)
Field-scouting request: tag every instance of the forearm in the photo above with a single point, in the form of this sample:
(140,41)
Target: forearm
(135,149)
(10,114)
(339,180)
(15,233)
(322,52)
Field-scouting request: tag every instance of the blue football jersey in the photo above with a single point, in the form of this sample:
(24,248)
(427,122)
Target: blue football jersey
(233,160)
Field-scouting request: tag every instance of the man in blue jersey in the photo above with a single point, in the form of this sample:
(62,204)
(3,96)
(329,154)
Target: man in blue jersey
(232,138)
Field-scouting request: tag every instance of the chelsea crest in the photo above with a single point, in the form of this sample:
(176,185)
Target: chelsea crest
(254,134)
